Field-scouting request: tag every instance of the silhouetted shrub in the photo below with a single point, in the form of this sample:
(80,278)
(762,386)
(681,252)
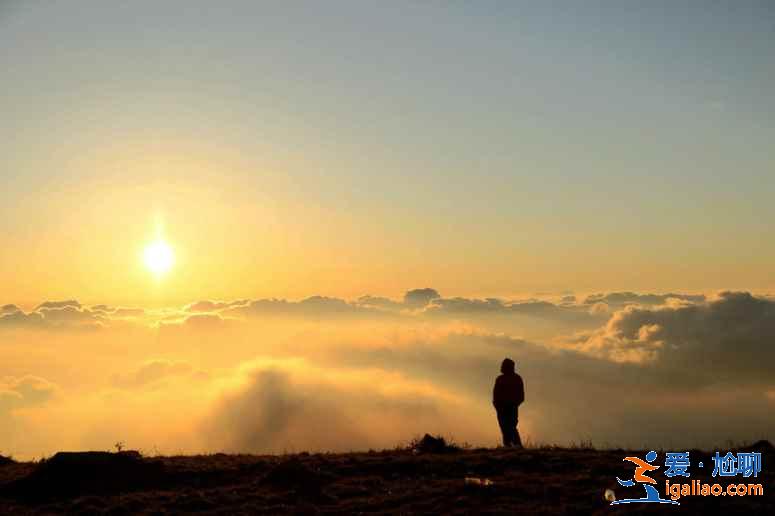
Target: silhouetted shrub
(77,473)
(430,444)
(763,446)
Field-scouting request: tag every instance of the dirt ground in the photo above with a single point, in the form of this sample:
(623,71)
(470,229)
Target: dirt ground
(529,481)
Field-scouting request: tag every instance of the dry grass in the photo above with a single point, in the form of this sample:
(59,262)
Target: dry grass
(539,479)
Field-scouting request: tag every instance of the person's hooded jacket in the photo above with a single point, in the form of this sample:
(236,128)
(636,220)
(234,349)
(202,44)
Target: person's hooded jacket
(509,387)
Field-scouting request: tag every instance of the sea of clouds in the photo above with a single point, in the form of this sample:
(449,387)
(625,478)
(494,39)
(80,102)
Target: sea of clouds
(272,375)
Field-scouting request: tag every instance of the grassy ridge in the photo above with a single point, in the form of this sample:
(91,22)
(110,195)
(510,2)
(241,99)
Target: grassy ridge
(408,481)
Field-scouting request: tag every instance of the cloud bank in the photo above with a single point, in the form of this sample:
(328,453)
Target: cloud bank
(270,375)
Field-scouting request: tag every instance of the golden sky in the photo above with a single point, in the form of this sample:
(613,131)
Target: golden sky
(377,164)
(588,189)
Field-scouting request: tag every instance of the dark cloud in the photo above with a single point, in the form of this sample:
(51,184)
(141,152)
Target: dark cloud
(71,315)
(457,305)
(489,308)
(379,302)
(213,306)
(420,297)
(51,315)
(59,304)
(536,317)
(726,340)
(426,299)
(313,307)
(331,305)
(20,319)
(416,303)
(9,309)
(463,305)
(620,299)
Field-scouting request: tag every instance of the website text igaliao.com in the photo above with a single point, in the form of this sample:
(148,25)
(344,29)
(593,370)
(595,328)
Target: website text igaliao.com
(699,488)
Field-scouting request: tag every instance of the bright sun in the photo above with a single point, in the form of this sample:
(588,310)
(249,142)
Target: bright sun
(158,257)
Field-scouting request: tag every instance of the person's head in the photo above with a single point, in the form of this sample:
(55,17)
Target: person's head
(507,366)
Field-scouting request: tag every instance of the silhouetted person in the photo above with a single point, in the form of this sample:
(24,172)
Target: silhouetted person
(507,395)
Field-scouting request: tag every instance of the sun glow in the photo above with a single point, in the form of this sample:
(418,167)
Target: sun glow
(158,257)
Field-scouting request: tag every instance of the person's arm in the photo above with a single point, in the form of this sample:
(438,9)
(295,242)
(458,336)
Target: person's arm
(520,391)
(495,393)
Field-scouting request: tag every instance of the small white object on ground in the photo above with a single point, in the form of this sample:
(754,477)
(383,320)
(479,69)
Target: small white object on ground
(474,481)
(610,495)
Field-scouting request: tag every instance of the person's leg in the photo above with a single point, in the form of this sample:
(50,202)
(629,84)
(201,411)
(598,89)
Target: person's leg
(517,438)
(504,422)
(512,425)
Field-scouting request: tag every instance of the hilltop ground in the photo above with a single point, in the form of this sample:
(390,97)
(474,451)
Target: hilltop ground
(424,480)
